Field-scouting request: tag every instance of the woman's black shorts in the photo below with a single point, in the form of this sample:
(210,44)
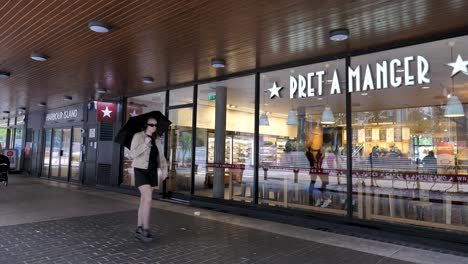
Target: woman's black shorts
(142,177)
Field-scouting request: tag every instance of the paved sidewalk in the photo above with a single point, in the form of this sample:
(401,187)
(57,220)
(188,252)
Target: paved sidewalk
(60,223)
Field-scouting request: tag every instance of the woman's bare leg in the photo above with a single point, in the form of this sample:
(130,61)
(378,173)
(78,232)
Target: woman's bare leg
(144,210)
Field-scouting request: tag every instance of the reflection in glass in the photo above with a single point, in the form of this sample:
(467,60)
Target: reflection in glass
(55,158)
(180,150)
(411,163)
(65,154)
(19,142)
(47,143)
(302,150)
(76,154)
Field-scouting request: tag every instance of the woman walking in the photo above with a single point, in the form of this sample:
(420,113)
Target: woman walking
(148,163)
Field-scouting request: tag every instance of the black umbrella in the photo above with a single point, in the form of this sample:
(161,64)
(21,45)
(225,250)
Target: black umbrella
(136,124)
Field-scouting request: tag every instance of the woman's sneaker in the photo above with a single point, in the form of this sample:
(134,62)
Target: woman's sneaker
(326,203)
(143,235)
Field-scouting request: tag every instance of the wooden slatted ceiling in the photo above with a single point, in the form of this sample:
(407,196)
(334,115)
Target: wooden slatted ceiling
(174,41)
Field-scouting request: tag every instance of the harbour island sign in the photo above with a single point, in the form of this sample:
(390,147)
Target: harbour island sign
(411,71)
(72,113)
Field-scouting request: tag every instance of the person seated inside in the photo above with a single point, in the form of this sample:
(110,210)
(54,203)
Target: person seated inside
(430,162)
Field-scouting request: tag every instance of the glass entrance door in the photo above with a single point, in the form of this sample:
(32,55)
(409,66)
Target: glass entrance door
(180,151)
(75,155)
(58,151)
(55,155)
(65,154)
(47,145)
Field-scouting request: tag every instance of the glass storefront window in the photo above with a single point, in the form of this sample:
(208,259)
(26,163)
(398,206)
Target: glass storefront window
(20,120)
(225,139)
(181,96)
(75,154)
(180,141)
(136,106)
(302,148)
(47,149)
(410,149)
(3,133)
(180,150)
(19,143)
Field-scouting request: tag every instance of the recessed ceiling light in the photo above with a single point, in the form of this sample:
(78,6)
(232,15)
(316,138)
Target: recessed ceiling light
(39,57)
(148,79)
(101,90)
(4,74)
(6,112)
(67,98)
(425,87)
(339,34)
(41,104)
(217,63)
(99,27)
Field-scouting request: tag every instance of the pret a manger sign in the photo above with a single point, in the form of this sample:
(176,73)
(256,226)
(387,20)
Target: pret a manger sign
(409,71)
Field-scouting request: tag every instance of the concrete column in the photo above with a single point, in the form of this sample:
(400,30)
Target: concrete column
(220,141)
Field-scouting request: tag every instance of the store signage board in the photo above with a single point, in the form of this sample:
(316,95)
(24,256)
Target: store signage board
(106,112)
(12,155)
(67,114)
(382,75)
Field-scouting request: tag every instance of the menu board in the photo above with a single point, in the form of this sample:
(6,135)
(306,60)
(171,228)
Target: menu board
(405,134)
(383,135)
(390,135)
(368,135)
(355,135)
(361,135)
(397,134)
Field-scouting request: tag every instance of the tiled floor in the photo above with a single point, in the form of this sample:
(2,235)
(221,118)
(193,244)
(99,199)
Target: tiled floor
(43,222)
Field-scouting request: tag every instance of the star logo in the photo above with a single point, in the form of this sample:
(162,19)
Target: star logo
(459,66)
(274,91)
(106,112)
(134,113)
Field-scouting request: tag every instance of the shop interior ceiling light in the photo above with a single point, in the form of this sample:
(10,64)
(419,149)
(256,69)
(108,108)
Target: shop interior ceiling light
(39,57)
(454,108)
(99,27)
(327,116)
(292,118)
(148,79)
(217,63)
(67,98)
(101,90)
(4,74)
(263,121)
(339,34)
